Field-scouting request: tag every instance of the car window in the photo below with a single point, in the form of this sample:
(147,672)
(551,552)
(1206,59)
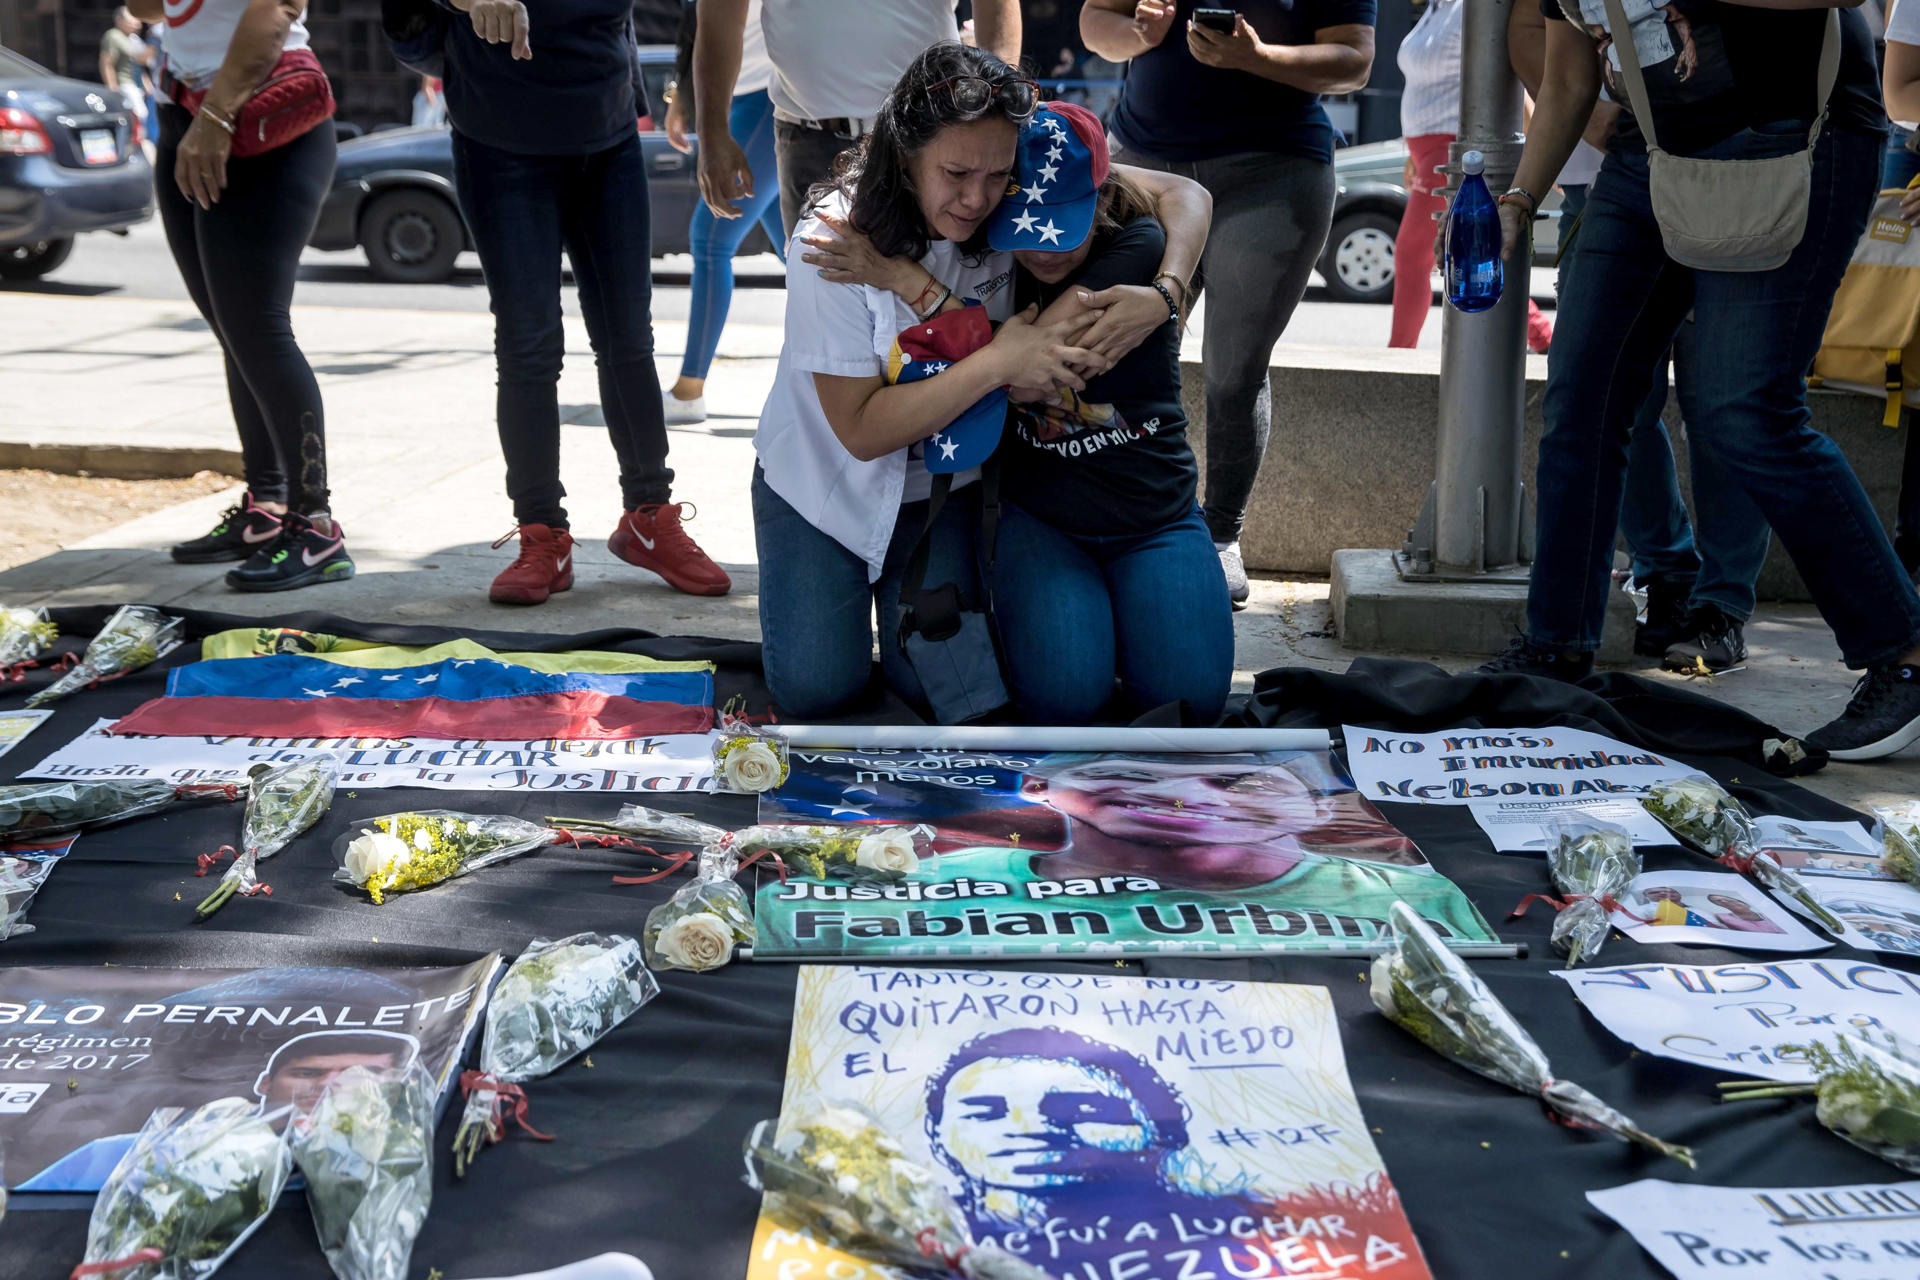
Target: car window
(15,67)
(657,76)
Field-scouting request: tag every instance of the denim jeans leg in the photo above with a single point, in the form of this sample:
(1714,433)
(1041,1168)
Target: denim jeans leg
(1056,620)
(609,236)
(1653,515)
(1755,336)
(816,611)
(1729,532)
(713,241)
(953,556)
(512,204)
(1172,620)
(1622,303)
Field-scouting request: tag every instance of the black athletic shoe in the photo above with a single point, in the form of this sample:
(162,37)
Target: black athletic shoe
(302,557)
(243,529)
(1883,717)
(1718,641)
(1667,620)
(1525,658)
(1235,568)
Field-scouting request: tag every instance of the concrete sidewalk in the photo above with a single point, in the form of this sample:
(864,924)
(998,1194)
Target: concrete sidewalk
(417,481)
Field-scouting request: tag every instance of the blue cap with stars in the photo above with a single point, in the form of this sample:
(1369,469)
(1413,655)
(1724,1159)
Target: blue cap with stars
(928,349)
(1057,172)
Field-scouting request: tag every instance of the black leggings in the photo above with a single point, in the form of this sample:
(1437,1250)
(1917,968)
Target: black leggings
(239,259)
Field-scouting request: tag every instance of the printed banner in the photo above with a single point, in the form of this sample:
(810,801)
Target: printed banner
(87,1054)
(1460,765)
(1105,1126)
(1879,915)
(15,725)
(1868,1232)
(1823,848)
(1709,909)
(1520,826)
(1108,854)
(674,762)
(1739,1018)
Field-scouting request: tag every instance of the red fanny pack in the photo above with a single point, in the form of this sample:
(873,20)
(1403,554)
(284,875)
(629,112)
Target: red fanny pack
(294,97)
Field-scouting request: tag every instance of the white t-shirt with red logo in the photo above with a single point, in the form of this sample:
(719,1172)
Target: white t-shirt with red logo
(197,34)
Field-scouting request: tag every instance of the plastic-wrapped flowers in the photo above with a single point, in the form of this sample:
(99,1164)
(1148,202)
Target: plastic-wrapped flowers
(282,802)
(1867,1090)
(1592,863)
(1702,814)
(25,634)
(416,850)
(33,810)
(133,637)
(366,1152)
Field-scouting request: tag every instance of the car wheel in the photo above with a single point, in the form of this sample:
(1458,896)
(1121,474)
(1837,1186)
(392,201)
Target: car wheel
(411,237)
(1358,265)
(33,259)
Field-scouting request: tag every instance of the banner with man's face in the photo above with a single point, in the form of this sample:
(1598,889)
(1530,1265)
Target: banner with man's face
(1074,854)
(87,1054)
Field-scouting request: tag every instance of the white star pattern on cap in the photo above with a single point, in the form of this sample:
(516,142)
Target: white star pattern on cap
(1052,121)
(1049,234)
(1033,195)
(936,368)
(1025,222)
(1050,171)
(1054,154)
(947,447)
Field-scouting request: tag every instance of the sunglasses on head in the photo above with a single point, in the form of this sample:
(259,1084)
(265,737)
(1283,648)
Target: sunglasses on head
(974,96)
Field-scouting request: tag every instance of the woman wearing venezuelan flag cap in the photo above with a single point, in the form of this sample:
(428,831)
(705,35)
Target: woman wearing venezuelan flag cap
(1103,570)
(881,386)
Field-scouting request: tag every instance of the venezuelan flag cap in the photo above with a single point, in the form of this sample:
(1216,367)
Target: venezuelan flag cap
(928,349)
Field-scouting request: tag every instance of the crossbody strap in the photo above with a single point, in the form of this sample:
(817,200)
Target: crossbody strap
(1622,31)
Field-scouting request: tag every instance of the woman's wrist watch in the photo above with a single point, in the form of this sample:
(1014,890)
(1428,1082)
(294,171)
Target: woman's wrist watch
(1514,195)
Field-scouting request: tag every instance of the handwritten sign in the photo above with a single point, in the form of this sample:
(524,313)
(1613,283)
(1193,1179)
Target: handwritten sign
(1462,765)
(1741,1018)
(667,763)
(1866,1232)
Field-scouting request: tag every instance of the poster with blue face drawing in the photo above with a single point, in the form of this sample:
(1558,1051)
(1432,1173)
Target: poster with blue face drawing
(1102,1127)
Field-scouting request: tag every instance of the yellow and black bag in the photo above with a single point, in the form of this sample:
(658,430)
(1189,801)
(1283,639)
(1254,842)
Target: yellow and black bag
(1872,342)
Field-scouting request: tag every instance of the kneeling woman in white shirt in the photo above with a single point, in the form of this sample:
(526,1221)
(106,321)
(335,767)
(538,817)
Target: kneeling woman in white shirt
(840,489)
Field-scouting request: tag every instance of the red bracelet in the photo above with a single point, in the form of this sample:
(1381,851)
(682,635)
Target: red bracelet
(933,283)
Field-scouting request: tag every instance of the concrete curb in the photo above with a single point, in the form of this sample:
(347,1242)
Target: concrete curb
(119,461)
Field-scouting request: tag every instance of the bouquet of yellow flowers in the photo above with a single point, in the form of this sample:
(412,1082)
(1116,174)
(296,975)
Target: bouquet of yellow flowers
(419,849)
(747,759)
(25,634)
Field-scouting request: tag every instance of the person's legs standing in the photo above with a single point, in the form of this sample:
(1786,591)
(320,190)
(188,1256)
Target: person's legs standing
(1056,621)
(605,223)
(1413,247)
(1655,524)
(1170,598)
(256,519)
(714,241)
(1270,219)
(804,156)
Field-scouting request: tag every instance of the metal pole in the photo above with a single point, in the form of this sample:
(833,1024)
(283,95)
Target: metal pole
(1471,522)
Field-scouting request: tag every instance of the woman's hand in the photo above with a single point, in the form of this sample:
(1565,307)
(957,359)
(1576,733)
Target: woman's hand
(1034,355)
(1910,205)
(848,257)
(676,123)
(502,22)
(1125,316)
(200,163)
(1515,223)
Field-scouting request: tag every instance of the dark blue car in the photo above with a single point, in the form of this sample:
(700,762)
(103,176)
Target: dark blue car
(70,161)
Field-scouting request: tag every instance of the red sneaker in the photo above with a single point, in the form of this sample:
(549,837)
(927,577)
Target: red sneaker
(544,566)
(653,537)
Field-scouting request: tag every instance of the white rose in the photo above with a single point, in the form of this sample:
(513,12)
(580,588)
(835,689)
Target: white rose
(890,850)
(753,766)
(698,942)
(1381,987)
(373,853)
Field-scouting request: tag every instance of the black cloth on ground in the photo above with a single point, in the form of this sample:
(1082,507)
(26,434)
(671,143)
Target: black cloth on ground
(647,1158)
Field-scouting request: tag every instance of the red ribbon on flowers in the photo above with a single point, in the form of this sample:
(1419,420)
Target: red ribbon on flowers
(509,1103)
(779,863)
(1606,900)
(67,661)
(17,672)
(930,1247)
(85,1269)
(1741,862)
(675,861)
(563,836)
(257,888)
(230,790)
(1553,1114)
(208,861)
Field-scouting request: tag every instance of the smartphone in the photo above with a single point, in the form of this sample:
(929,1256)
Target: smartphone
(1220,20)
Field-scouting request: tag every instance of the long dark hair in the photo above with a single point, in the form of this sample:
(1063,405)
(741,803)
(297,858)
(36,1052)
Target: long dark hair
(872,175)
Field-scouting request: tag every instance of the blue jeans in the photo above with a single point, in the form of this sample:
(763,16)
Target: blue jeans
(1076,611)
(1755,336)
(523,211)
(817,607)
(1715,562)
(1898,166)
(716,240)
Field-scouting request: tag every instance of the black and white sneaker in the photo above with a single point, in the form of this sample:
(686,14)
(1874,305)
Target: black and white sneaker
(243,529)
(1525,658)
(1238,589)
(1882,718)
(1666,623)
(302,557)
(1718,641)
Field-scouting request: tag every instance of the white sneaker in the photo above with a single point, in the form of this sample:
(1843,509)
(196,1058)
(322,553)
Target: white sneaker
(682,413)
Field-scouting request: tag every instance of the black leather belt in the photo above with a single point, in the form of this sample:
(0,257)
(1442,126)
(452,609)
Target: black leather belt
(844,126)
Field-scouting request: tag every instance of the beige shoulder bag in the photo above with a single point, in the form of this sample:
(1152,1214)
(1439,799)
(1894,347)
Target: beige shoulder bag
(1726,215)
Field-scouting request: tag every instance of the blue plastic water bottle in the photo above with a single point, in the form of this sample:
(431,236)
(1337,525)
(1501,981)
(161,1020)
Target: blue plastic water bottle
(1473,268)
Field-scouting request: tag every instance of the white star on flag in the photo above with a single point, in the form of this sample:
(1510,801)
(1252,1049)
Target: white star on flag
(316,693)
(344,681)
(1049,234)
(1025,222)
(936,368)
(393,677)
(464,662)
(1055,153)
(1033,195)
(1050,171)
(1052,122)
(426,679)
(947,447)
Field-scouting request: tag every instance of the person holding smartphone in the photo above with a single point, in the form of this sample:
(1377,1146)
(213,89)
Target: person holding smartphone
(1231,98)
